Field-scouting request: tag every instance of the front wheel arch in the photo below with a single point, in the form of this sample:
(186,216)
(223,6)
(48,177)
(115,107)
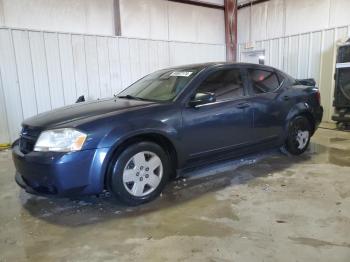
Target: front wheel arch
(156,138)
(115,178)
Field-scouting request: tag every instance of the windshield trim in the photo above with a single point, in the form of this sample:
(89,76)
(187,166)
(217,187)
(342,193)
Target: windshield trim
(188,84)
(175,98)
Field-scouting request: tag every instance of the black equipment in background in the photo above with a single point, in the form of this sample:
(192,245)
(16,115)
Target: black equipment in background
(341,100)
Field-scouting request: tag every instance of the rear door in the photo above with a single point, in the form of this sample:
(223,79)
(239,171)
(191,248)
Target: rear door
(269,104)
(223,125)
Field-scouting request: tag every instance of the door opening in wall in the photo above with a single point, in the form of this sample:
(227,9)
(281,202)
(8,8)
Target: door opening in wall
(254,57)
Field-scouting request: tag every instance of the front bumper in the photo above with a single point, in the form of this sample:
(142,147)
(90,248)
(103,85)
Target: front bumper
(63,174)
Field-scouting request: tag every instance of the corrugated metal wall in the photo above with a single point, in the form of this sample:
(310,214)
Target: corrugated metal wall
(307,55)
(40,70)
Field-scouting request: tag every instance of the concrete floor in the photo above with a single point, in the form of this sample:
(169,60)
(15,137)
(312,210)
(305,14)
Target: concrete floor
(267,207)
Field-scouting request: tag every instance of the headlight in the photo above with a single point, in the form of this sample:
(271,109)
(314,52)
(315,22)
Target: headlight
(60,140)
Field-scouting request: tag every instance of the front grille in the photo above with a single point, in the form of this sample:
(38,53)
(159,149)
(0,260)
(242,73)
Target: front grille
(28,139)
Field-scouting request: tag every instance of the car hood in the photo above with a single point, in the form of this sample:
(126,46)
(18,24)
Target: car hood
(79,111)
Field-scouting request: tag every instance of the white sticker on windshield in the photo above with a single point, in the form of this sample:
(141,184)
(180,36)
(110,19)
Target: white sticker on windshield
(184,74)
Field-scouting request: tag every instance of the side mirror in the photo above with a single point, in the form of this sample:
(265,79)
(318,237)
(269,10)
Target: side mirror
(202,98)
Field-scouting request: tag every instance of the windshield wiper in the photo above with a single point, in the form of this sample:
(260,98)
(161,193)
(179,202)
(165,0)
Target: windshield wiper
(130,97)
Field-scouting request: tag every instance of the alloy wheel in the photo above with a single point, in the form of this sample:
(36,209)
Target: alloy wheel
(302,138)
(142,173)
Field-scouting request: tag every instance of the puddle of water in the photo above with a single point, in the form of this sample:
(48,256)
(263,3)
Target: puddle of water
(316,242)
(331,155)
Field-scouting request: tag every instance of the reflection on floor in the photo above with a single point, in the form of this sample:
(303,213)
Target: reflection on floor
(267,207)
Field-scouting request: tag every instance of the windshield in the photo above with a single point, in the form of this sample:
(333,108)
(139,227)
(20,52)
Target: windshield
(163,85)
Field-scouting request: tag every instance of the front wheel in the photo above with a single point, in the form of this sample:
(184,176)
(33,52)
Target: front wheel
(299,134)
(139,173)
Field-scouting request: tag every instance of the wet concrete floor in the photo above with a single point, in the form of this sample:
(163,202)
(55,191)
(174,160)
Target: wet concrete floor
(267,207)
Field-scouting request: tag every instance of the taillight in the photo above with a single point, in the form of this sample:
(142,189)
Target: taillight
(318,97)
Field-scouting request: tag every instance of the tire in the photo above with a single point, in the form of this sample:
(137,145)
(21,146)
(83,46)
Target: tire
(139,173)
(299,134)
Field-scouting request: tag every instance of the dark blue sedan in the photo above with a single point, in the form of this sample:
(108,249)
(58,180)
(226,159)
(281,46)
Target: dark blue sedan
(170,120)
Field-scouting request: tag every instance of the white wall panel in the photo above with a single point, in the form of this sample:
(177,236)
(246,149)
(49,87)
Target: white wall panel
(134,59)
(4,131)
(11,90)
(134,18)
(265,45)
(25,73)
(315,55)
(243,24)
(79,60)
(144,57)
(158,19)
(2,19)
(274,52)
(183,29)
(114,65)
(210,27)
(259,21)
(180,53)
(165,20)
(339,13)
(40,71)
(293,53)
(67,68)
(103,67)
(303,56)
(99,17)
(304,16)
(80,16)
(53,69)
(92,67)
(41,80)
(163,54)
(285,53)
(125,62)
(275,17)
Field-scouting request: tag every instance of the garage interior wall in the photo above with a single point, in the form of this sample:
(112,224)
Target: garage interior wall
(159,19)
(299,37)
(43,67)
(76,16)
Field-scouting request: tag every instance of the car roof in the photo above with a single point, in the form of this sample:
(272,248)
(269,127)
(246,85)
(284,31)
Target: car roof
(201,66)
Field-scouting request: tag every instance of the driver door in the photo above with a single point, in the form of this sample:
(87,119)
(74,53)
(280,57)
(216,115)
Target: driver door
(220,126)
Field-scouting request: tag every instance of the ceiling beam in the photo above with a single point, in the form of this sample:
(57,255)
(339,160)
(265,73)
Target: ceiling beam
(251,3)
(199,3)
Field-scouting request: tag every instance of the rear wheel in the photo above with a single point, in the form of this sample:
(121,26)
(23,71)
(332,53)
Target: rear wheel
(299,134)
(139,173)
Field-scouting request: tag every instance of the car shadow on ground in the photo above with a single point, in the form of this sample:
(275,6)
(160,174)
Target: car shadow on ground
(92,209)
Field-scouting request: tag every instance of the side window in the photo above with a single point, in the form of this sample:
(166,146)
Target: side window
(263,81)
(285,79)
(225,84)
(282,79)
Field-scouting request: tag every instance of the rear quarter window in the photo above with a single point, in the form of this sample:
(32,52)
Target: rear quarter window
(285,80)
(263,81)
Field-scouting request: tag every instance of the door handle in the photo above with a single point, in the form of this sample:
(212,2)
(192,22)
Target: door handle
(242,105)
(286,98)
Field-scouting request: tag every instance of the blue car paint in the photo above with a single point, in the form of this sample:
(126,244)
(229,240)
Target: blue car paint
(199,135)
